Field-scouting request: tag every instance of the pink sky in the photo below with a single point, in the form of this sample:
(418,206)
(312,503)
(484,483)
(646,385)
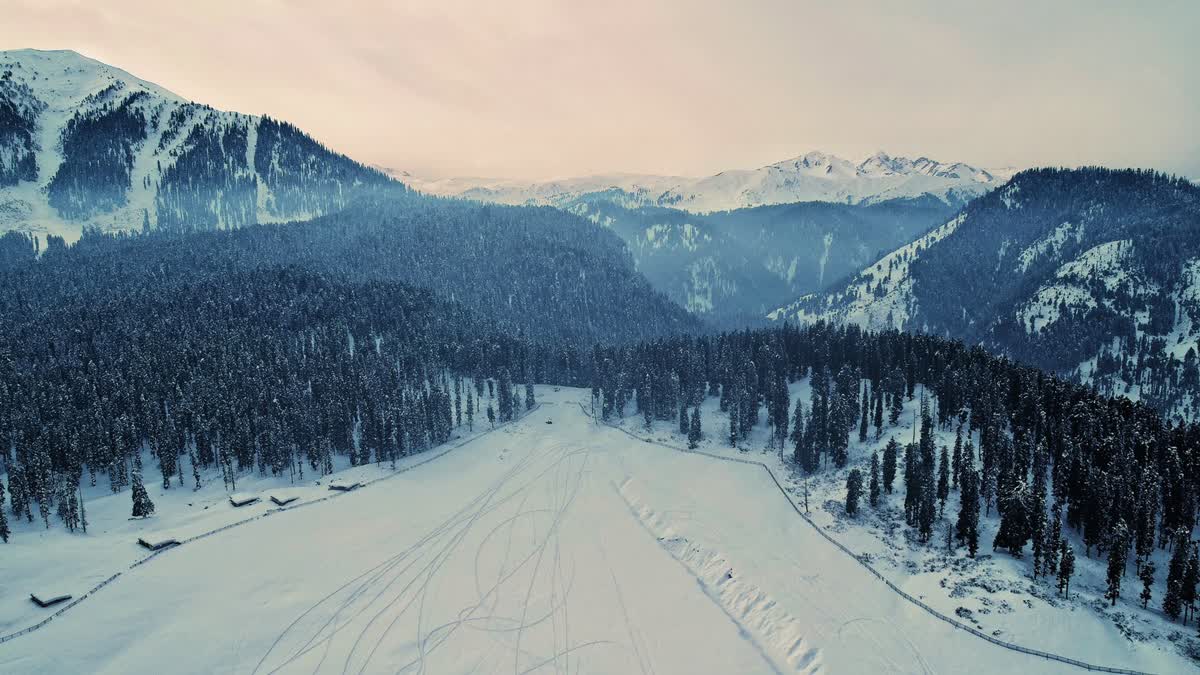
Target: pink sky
(538,89)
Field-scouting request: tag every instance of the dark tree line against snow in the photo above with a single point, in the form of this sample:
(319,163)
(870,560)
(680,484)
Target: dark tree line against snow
(1050,454)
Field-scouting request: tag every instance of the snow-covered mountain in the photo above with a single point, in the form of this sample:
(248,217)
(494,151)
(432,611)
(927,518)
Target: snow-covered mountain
(1090,272)
(84,144)
(815,176)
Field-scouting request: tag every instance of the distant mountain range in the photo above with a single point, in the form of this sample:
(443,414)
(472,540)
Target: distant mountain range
(84,144)
(1090,272)
(815,176)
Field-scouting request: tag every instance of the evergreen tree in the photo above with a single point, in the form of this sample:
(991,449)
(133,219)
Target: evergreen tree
(1191,575)
(943,482)
(1176,570)
(878,412)
(889,464)
(853,491)
(874,483)
(956,461)
(694,431)
(1146,574)
(142,506)
(798,434)
(1118,550)
(864,415)
(4,531)
(927,502)
(1066,568)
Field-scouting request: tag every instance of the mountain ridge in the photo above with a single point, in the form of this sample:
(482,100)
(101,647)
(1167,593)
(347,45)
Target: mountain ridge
(88,145)
(814,176)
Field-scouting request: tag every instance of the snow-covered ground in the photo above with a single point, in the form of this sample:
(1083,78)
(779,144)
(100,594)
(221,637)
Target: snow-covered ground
(994,593)
(564,547)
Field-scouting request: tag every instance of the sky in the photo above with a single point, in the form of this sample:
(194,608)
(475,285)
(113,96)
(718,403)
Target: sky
(536,89)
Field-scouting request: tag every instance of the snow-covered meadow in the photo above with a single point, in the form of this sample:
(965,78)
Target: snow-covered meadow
(995,592)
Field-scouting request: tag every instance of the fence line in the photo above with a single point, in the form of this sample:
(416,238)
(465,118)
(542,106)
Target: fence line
(867,566)
(137,563)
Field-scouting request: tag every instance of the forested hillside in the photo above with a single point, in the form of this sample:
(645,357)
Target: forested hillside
(1039,461)
(732,267)
(1086,272)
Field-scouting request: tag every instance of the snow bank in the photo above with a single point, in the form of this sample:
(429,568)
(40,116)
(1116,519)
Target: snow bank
(755,612)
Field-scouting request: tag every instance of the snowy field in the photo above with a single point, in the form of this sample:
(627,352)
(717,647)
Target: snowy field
(995,592)
(565,547)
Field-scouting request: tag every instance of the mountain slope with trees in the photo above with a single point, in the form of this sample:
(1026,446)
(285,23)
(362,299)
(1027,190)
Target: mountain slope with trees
(1092,272)
(734,266)
(86,145)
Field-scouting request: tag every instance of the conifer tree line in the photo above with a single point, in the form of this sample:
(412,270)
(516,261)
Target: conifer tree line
(274,372)
(1042,455)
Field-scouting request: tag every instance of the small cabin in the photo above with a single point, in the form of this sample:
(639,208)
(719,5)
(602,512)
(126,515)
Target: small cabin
(344,485)
(157,543)
(283,498)
(47,600)
(240,499)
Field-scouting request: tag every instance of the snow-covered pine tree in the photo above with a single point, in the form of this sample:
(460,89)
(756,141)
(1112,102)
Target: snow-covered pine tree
(853,491)
(1066,568)
(943,481)
(873,486)
(1146,574)
(864,415)
(142,506)
(1176,570)
(890,453)
(4,531)
(694,432)
(1118,551)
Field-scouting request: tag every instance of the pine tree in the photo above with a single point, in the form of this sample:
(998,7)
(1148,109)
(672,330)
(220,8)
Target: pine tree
(1191,575)
(967,526)
(1146,574)
(889,464)
(142,506)
(956,460)
(1066,567)
(927,504)
(4,531)
(878,412)
(853,491)
(943,483)
(1118,550)
(797,436)
(874,483)
(1176,569)
(864,415)
(694,432)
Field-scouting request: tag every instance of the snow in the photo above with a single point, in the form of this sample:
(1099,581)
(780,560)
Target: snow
(814,176)
(571,547)
(994,593)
